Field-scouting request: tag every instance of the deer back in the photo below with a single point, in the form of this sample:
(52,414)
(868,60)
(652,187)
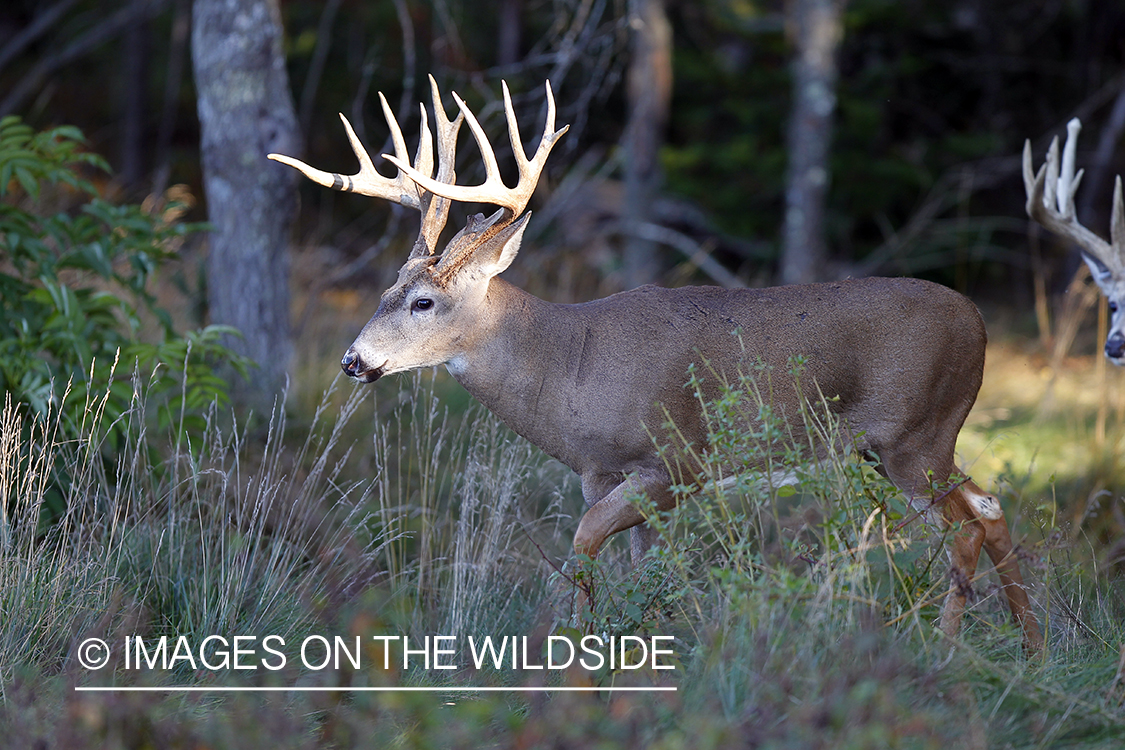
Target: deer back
(593,383)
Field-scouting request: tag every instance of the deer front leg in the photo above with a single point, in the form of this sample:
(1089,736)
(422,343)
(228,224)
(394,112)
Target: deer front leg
(616,512)
(595,487)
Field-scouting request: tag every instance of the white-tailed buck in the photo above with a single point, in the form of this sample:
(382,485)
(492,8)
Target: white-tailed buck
(1050,201)
(901,359)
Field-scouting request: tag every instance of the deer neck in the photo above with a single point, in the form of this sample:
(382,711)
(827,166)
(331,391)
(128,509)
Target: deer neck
(515,365)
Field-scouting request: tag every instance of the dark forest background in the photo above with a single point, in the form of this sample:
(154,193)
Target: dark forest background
(679,164)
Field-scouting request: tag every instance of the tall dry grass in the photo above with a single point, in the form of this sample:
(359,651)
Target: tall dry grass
(804,612)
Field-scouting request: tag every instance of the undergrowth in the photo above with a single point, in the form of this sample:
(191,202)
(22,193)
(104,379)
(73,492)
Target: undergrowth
(799,590)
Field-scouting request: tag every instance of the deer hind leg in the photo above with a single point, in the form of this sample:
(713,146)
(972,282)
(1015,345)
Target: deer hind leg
(978,521)
(998,545)
(982,524)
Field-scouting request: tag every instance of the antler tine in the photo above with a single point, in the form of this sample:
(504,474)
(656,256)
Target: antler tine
(447,138)
(399,142)
(1050,199)
(1051,186)
(1032,182)
(534,167)
(367,181)
(1068,183)
(1117,223)
(424,156)
(431,225)
(493,190)
(435,208)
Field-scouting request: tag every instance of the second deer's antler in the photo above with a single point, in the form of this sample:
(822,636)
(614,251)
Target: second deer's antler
(1050,201)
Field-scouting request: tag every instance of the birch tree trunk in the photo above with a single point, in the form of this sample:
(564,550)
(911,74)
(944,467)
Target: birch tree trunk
(817,28)
(245,112)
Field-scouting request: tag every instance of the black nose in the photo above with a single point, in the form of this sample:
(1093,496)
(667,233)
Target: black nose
(350,362)
(1115,346)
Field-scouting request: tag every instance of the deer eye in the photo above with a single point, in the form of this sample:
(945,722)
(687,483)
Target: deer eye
(1112,308)
(422,303)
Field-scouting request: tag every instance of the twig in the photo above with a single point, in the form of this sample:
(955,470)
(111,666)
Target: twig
(1103,154)
(98,35)
(409,61)
(548,560)
(349,269)
(586,587)
(449,27)
(983,175)
(693,251)
(177,47)
(39,26)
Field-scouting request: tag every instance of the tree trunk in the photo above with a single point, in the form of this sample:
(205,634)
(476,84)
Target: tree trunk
(817,29)
(650,95)
(245,112)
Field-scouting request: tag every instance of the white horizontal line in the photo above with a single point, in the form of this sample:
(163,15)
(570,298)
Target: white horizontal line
(315,689)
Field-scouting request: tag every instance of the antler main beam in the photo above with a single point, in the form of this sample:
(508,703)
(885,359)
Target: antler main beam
(402,189)
(368,181)
(493,190)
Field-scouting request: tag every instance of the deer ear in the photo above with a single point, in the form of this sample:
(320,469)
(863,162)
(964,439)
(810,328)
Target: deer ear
(1099,270)
(499,252)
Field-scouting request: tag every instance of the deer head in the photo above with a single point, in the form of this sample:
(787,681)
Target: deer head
(434,310)
(1050,201)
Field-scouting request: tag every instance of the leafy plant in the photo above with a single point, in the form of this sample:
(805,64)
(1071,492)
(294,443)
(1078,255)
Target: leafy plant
(774,504)
(802,634)
(74,287)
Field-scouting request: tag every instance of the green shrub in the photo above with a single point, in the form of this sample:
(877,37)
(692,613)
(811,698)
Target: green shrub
(74,285)
(75,299)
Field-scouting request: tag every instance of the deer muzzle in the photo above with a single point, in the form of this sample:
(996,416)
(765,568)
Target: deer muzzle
(1115,348)
(354,367)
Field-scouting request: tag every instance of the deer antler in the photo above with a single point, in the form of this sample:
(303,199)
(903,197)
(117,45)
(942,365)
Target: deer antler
(1050,201)
(493,190)
(417,188)
(367,181)
(435,208)
(402,190)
